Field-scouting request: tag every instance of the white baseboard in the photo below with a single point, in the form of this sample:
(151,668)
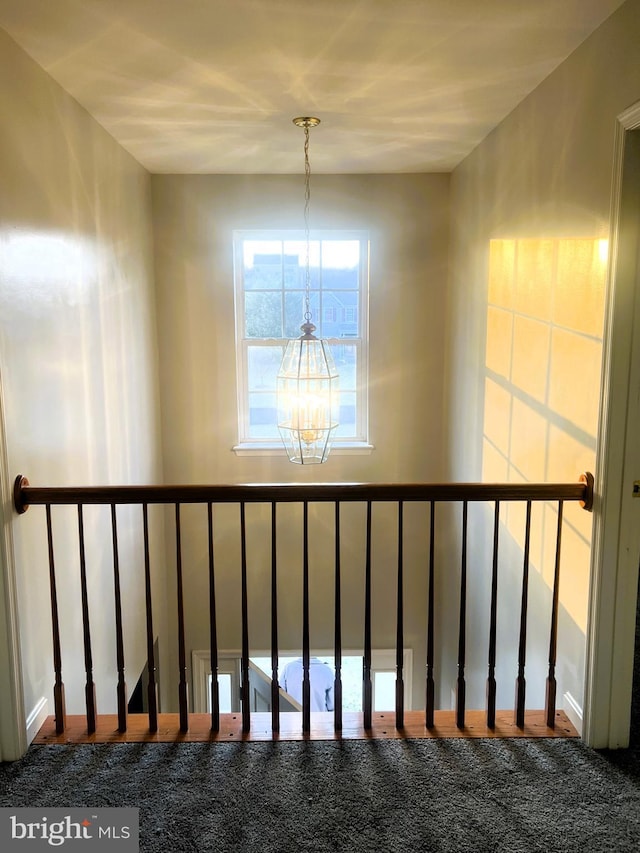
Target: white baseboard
(36,718)
(573,711)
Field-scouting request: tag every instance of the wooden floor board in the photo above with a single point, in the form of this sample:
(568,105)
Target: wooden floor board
(383,727)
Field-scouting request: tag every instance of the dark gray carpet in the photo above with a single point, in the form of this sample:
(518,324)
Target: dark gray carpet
(457,795)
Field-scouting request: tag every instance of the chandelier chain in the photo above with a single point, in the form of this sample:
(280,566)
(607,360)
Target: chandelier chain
(307,204)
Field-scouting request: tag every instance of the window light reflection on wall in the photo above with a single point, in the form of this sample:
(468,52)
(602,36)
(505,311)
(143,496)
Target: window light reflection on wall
(543,358)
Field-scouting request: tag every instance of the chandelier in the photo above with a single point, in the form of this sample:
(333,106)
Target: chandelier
(307,383)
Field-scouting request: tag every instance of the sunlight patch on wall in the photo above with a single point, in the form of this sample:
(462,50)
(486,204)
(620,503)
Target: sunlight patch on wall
(545,313)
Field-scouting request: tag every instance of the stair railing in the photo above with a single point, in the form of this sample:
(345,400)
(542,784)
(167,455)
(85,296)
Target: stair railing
(26,495)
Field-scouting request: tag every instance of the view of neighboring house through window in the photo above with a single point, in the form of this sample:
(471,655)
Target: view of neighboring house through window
(270,280)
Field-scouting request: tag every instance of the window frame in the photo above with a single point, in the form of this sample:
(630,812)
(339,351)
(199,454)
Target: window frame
(272,445)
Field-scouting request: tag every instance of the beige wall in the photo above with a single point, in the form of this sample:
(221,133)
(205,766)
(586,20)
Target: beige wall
(77,360)
(524,348)
(194,218)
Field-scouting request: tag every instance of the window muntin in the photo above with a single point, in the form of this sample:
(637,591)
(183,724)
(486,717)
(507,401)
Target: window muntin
(270,277)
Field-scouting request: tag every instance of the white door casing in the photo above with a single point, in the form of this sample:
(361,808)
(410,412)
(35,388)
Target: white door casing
(13,737)
(616,531)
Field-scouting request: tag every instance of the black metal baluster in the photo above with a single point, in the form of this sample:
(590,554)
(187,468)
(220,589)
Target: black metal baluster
(213,630)
(183,700)
(337,687)
(430,685)
(522,644)
(122,686)
(367,687)
(400,624)
(152,688)
(244,661)
(89,688)
(550,696)
(462,626)
(491,679)
(306,657)
(58,688)
(275,687)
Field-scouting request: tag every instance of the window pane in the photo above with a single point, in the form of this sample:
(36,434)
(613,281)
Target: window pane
(346,359)
(263,414)
(340,264)
(351,683)
(384,691)
(294,309)
(342,307)
(224,692)
(262,264)
(347,424)
(263,315)
(295,262)
(263,364)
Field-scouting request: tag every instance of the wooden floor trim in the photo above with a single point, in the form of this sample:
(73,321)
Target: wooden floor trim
(383,728)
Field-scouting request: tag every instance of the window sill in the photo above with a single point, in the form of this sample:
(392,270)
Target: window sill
(347,448)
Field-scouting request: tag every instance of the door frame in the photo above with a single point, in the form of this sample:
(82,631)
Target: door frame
(616,526)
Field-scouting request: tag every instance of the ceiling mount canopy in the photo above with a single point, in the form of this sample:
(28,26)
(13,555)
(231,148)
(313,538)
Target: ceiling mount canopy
(306,121)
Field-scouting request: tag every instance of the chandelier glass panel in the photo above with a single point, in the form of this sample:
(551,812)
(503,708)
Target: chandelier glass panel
(307,384)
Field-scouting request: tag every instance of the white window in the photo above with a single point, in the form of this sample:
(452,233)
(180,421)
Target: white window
(383,672)
(270,277)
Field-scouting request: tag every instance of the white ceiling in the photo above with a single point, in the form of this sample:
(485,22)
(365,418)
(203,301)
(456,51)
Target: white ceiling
(199,86)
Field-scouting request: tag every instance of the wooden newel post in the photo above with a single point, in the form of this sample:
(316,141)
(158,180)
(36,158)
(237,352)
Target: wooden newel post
(588,481)
(19,503)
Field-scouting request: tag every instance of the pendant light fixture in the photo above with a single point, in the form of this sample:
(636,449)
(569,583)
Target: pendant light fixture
(307,385)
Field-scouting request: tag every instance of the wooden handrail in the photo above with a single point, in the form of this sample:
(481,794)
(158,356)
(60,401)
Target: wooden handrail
(337,493)
(26,495)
